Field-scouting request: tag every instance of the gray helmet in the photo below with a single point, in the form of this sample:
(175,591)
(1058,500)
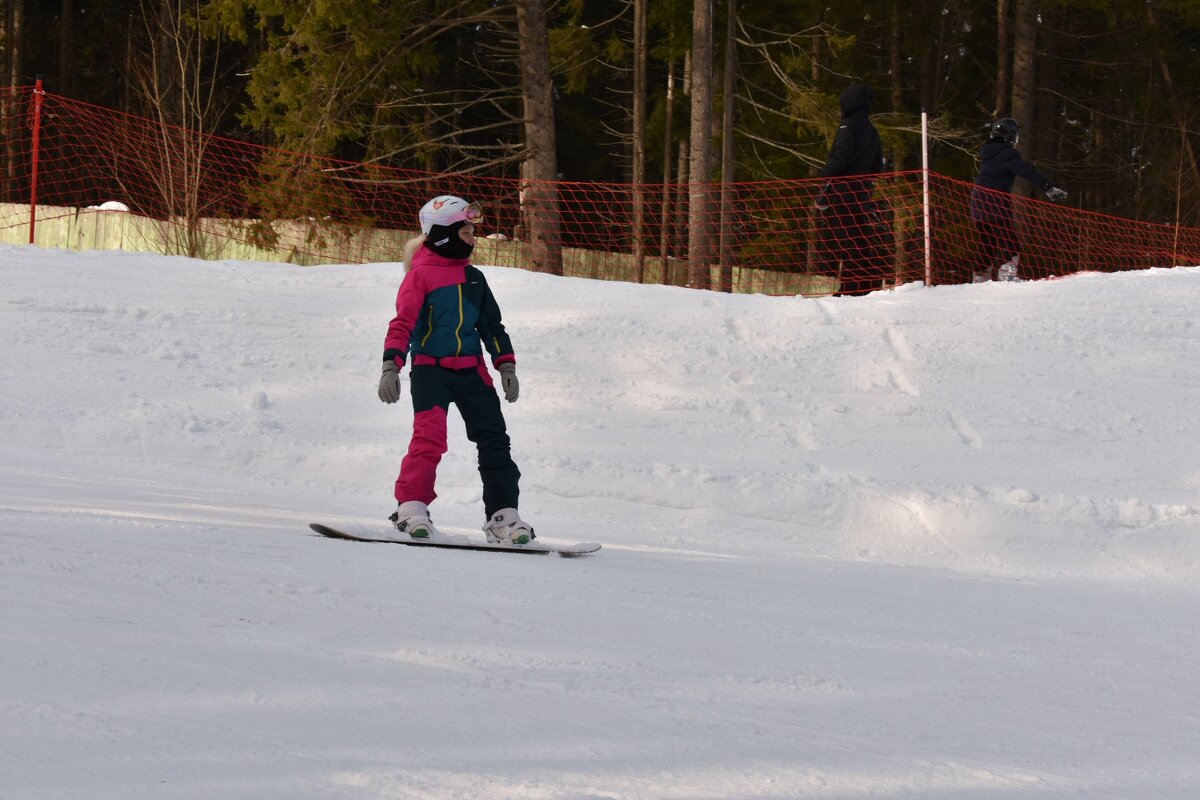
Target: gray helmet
(1005,129)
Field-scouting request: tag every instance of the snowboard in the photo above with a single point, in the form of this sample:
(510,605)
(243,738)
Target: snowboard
(535,547)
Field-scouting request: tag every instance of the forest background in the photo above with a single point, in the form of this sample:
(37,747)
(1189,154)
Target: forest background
(1107,91)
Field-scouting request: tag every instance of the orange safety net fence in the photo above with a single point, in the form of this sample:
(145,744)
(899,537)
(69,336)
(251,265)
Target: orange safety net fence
(776,237)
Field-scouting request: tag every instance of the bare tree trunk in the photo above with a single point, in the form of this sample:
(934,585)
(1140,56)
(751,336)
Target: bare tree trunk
(668,136)
(640,59)
(540,170)
(66,48)
(1046,106)
(929,64)
(729,116)
(128,61)
(14,41)
(896,60)
(1024,61)
(699,227)
(810,219)
(1188,152)
(681,204)
(1003,58)
(814,73)
(167,78)
(5,102)
(897,69)
(5,10)
(682,167)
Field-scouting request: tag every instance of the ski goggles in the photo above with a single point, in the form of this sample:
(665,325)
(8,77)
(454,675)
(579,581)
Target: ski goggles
(473,214)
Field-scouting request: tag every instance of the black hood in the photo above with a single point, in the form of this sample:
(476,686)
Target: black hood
(445,241)
(856,99)
(992,148)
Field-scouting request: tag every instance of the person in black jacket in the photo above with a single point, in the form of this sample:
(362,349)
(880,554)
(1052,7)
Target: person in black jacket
(851,235)
(991,204)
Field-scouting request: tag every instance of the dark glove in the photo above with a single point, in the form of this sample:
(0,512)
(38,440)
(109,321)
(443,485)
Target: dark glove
(389,382)
(1055,194)
(821,203)
(508,380)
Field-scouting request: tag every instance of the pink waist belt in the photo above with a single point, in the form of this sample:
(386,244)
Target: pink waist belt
(447,362)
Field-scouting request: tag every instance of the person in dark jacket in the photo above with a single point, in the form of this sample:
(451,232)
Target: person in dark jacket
(850,237)
(991,203)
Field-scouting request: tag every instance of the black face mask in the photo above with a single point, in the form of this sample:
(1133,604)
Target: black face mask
(444,240)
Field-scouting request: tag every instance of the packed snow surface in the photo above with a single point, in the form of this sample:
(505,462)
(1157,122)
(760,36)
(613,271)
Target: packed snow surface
(931,543)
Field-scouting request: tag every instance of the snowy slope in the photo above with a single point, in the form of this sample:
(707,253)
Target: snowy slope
(930,543)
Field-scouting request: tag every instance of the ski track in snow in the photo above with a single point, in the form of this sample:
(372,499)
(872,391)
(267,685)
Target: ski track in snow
(937,542)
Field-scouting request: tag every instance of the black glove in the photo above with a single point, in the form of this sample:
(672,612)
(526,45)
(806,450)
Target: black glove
(821,201)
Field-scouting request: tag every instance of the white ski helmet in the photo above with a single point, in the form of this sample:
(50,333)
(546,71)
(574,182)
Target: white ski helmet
(445,210)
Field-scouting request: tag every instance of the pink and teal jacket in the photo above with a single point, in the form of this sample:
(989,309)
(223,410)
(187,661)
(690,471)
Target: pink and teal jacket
(446,314)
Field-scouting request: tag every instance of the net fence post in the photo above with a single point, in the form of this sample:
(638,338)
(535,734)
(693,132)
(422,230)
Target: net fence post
(925,196)
(38,93)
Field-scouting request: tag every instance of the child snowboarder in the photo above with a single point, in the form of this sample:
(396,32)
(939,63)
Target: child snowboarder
(991,207)
(445,317)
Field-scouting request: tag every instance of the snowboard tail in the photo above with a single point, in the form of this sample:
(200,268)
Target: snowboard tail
(535,547)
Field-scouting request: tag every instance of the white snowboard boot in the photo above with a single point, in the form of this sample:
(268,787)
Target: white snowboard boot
(412,517)
(1008,270)
(507,527)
